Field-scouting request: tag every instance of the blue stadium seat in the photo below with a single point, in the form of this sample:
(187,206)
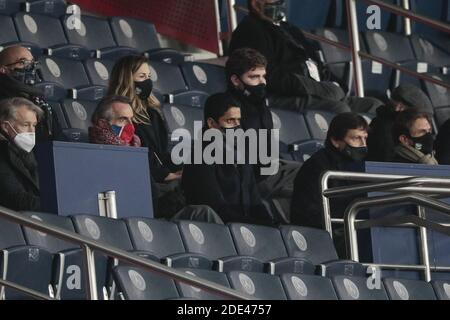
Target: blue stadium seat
(439,96)
(68,275)
(295,139)
(316,245)
(47,33)
(355,288)
(71,75)
(428,52)
(402,289)
(54,8)
(307,287)
(167,78)
(318,123)
(188,291)
(138,34)
(332,54)
(99,71)
(29,266)
(78,113)
(442,289)
(163,239)
(9,37)
(137,284)
(204,77)
(260,285)
(265,244)
(181,116)
(95,34)
(214,241)
(9,7)
(378,79)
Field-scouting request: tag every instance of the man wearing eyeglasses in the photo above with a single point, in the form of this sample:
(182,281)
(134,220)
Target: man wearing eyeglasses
(18,75)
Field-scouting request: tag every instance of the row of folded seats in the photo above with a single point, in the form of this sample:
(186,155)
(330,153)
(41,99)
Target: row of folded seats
(415,53)
(289,262)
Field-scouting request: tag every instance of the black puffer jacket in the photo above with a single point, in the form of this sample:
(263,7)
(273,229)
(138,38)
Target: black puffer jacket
(380,141)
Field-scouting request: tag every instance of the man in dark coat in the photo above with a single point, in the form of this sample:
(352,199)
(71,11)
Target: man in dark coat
(18,74)
(229,188)
(246,72)
(380,142)
(414,141)
(293,70)
(19,181)
(345,144)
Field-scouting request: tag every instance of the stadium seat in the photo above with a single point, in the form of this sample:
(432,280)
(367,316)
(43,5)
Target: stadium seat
(78,113)
(95,34)
(439,96)
(260,285)
(355,288)
(99,71)
(204,77)
(9,7)
(295,139)
(402,289)
(68,275)
(137,284)
(442,289)
(167,78)
(191,98)
(265,244)
(8,34)
(54,8)
(214,242)
(428,52)
(393,47)
(71,75)
(47,33)
(29,266)
(163,239)
(378,79)
(188,291)
(307,287)
(181,116)
(318,123)
(133,33)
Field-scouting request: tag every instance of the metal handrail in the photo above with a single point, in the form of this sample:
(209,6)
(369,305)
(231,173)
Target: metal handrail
(32,293)
(385,179)
(422,201)
(89,245)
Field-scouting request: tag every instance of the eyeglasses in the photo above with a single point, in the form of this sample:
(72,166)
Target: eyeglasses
(24,63)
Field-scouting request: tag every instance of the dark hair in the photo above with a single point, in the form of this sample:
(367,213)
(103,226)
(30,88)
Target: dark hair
(218,104)
(343,122)
(404,122)
(103,110)
(243,60)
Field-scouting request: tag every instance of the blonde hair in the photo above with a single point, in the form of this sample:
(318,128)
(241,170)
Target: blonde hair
(121,83)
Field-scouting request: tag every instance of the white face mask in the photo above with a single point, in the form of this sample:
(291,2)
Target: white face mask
(25,141)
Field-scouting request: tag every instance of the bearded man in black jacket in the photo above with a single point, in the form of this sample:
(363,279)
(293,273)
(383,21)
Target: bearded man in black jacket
(295,78)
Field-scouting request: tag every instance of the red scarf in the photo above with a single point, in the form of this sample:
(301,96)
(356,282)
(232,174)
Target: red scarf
(102,134)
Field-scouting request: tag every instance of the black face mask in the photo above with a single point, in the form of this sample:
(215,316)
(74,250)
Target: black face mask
(424,143)
(255,93)
(275,11)
(144,89)
(355,153)
(27,75)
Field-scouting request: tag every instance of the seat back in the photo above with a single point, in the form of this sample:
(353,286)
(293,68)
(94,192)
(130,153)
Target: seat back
(261,242)
(182,116)
(166,78)
(78,113)
(307,287)
(134,33)
(188,291)
(204,77)
(8,33)
(260,285)
(99,71)
(355,288)
(442,289)
(209,239)
(94,33)
(137,284)
(43,30)
(162,238)
(439,95)
(312,244)
(10,234)
(292,127)
(65,72)
(393,47)
(403,289)
(318,123)
(428,52)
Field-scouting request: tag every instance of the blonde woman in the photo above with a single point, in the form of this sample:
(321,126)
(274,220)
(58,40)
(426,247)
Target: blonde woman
(131,78)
